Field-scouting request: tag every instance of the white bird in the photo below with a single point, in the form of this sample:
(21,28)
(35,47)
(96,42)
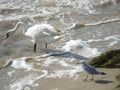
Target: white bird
(44,33)
(90,69)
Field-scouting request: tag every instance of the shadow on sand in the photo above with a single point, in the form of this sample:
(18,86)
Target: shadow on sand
(103,81)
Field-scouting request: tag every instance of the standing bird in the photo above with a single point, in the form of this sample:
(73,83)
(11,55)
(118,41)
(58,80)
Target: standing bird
(90,70)
(44,33)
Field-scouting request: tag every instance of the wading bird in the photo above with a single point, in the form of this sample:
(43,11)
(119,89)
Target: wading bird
(44,33)
(90,70)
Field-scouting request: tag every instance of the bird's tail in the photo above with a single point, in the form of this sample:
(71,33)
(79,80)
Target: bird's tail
(102,73)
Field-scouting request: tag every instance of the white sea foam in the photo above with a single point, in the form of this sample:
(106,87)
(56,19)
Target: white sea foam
(21,63)
(72,44)
(113,39)
(93,40)
(11,72)
(49,62)
(89,52)
(103,22)
(70,71)
(112,43)
(64,64)
(19,85)
(79,25)
(63,74)
(27,80)
(83,48)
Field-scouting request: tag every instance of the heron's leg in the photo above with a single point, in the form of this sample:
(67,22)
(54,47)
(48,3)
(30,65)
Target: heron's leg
(35,47)
(45,45)
(86,78)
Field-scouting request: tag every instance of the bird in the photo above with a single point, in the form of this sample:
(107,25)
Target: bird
(90,70)
(38,33)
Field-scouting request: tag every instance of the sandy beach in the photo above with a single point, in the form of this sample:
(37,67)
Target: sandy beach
(39,78)
(107,82)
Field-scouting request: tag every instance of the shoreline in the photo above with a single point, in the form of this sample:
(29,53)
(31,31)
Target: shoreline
(101,82)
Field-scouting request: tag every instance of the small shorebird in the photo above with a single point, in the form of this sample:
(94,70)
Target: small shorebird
(90,70)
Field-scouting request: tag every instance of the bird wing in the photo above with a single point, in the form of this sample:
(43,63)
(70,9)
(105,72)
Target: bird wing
(90,69)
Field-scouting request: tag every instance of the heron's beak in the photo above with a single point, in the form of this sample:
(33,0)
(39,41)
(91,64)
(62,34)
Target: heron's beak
(7,35)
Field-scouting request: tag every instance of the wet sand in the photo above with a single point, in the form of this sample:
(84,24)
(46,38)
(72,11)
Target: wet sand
(104,82)
(101,82)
